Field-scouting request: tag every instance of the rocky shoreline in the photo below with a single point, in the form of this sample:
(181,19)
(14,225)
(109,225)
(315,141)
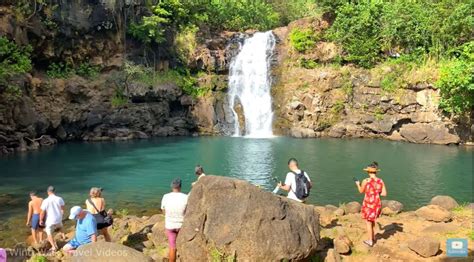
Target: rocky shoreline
(232,220)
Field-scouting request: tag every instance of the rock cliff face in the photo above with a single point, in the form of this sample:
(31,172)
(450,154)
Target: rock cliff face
(344,101)
(51,110)
(212,112)
(324,101)
(78,109)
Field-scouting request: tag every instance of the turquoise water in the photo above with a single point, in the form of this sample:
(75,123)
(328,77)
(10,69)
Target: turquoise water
(135,174)
(138,173)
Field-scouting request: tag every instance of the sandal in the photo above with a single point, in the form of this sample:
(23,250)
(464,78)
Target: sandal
(369,243)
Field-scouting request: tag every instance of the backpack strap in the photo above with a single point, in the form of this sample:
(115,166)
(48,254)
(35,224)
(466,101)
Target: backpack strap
(92,203)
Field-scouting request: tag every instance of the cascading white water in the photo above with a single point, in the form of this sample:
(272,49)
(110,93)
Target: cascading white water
(250,83)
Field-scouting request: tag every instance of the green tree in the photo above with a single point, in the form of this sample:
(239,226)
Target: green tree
(357,27)
(14,60)
(456,82)
(151,28)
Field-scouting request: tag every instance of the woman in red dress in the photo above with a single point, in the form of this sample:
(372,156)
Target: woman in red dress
(373,187)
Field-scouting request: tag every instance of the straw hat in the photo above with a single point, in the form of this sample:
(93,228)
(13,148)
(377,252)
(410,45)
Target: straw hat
(371,169)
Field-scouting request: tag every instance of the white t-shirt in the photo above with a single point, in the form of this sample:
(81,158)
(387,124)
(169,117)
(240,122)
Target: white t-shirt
(291,181)
(174,204)
(53,207)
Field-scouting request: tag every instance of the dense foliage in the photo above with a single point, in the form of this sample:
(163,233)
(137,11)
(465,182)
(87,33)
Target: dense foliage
(14,60)
(398,33)
(151,28)
(65,70)
(217,15)
(303,39)
(369,29)
(456,82)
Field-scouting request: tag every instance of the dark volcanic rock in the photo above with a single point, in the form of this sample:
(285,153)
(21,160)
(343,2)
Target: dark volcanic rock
(241,219)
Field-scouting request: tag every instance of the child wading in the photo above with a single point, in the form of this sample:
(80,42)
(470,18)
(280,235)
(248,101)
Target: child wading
(373,187)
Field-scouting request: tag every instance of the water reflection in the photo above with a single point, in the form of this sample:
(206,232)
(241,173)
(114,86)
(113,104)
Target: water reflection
(252,160)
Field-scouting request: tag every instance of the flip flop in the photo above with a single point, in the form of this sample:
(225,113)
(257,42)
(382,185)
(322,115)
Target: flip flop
(368,243)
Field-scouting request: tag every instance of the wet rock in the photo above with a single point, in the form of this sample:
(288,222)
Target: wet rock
(47,140)
(425,246)
(108,252)
(445,202)
(221,210)
(434,213)
(352,207)
(140,135)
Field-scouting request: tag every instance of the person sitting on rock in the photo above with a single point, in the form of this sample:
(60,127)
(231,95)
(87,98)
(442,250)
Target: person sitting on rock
(174,206)
(86,229)
(33,218)
(199,171)
(297,182)
(52,210)
(373,187)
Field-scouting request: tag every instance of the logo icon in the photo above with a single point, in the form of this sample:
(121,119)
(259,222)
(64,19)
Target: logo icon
(456,247)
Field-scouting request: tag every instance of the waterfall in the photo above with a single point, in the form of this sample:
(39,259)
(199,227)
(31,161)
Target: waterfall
(249,85)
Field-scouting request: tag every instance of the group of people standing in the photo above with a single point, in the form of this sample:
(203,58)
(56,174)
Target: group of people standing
(46,216)
(298,185)
(94,220)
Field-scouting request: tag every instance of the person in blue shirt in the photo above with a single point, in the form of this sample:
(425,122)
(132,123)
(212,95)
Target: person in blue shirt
(86,229)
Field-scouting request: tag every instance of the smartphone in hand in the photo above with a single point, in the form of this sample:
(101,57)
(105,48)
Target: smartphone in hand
(355,179)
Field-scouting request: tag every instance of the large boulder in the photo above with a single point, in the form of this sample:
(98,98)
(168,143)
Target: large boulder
(391,207)
(108,252)
(434,213)
(352,207)
(241,220)
(425,246)
(445,202)
(434,133)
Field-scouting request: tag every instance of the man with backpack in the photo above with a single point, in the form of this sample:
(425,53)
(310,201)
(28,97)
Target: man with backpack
(297,182)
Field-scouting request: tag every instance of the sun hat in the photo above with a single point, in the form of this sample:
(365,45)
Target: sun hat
(75,210)
(371,169)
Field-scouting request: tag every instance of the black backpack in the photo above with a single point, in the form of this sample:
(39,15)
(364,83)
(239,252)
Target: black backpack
(303,186)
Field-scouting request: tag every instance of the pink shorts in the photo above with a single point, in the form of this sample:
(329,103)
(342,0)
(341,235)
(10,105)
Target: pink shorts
(172,234)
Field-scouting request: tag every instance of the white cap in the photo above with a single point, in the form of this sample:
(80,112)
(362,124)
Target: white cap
(75,210)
